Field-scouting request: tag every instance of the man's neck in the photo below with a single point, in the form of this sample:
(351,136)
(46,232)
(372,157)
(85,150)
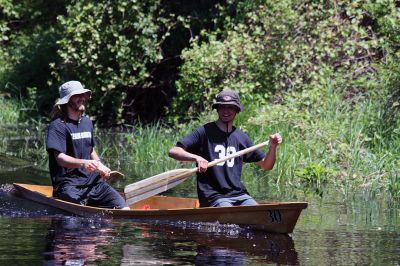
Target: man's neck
(74,115)
(225,127)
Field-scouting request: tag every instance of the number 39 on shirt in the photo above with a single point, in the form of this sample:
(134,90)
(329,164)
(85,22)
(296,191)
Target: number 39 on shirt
(223,152)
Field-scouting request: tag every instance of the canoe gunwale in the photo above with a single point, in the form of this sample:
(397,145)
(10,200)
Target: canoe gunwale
(249,216)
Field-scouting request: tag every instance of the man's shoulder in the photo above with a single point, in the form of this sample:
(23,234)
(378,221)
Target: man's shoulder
(57,123)
(194,136)
(201,129)
(241,136)
(209,126)
(240,132)
(86,119)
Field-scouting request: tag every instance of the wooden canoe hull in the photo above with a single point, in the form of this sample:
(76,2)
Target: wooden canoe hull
(274,217)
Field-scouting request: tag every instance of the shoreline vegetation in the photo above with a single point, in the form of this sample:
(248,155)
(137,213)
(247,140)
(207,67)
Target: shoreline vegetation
(332,150)
(324,74)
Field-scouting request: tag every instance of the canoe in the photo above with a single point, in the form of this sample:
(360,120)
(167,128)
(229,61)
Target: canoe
(273,217)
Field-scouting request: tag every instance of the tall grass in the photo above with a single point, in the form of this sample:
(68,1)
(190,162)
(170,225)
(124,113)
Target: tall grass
(327,144)
(142,151)
(19,137)
(9,111)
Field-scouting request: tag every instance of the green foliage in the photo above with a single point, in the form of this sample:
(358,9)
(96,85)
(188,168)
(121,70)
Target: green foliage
(204,75)
(314,176)
(109,47)
(9,112)
(332,132)
(9,12)
(126,51)
(394,185)
(27,47)
(386,122)
(386,17)
(30,84)
(22,22)
(325,74)
(278,46)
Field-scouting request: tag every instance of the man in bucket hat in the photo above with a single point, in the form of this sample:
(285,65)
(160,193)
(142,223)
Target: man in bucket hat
(220,185)
(75,168)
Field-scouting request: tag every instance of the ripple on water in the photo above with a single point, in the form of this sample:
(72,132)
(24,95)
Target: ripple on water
(14,206)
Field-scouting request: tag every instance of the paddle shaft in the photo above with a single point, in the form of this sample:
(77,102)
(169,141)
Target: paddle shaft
(187,172)
(228,157)
(237,154)
(162,182)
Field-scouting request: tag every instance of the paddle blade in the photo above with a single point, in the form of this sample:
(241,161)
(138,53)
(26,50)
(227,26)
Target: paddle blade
(114,176)
(156,184)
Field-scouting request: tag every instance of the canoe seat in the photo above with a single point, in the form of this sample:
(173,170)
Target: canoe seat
(165,202)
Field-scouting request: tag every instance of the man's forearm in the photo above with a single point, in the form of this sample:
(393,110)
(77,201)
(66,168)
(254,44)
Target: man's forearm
(94,156)
(180,154)
(269,160)
(69,161)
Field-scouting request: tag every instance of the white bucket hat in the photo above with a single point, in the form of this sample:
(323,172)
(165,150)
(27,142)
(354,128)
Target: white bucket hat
(68,89)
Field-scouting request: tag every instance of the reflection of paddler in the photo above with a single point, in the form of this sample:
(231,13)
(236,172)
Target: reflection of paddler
(276,248)
(73,241)
(234,244)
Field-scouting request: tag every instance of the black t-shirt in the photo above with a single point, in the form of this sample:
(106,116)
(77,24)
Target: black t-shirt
(73,138)
(222,180)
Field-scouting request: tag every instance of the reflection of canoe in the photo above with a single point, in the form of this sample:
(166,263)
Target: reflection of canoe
(228,246)
(278,217)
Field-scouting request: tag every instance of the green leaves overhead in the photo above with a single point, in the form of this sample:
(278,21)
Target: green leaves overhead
(110,46)
(129,52)
(276,46)
(113,41)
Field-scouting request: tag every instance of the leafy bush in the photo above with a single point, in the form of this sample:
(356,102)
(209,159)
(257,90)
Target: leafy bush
(9,114)
(28,45)
(271,47)
(394,185)
(314,176)
(108,47)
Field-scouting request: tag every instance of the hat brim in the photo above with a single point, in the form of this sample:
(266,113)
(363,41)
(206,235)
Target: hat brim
(241,107)
(66,98)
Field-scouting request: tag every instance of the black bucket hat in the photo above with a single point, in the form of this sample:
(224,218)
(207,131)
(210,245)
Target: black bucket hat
(228,97)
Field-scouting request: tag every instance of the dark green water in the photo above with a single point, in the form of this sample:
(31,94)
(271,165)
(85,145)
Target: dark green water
(358,230)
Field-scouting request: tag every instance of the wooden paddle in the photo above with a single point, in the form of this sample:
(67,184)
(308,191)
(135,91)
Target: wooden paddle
(162,182)
(114,176)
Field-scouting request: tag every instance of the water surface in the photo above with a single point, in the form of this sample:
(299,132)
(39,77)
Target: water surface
(333,230)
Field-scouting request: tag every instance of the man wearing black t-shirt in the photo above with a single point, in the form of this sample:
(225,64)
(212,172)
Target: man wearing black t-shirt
(220,185)
(75,168)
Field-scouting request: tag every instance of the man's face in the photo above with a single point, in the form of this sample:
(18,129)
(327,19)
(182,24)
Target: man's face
(77,102)
(227,113)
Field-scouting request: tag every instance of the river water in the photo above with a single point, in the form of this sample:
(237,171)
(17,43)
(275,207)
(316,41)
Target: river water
(356,230)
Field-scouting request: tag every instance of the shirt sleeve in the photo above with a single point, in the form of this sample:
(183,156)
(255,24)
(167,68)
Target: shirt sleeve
(191,142)
(56,138)
(254,156)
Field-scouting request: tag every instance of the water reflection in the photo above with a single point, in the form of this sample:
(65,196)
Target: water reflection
(13,206)
(214,245)
(75,241)
(265,248)
(333,230)
(83,241)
